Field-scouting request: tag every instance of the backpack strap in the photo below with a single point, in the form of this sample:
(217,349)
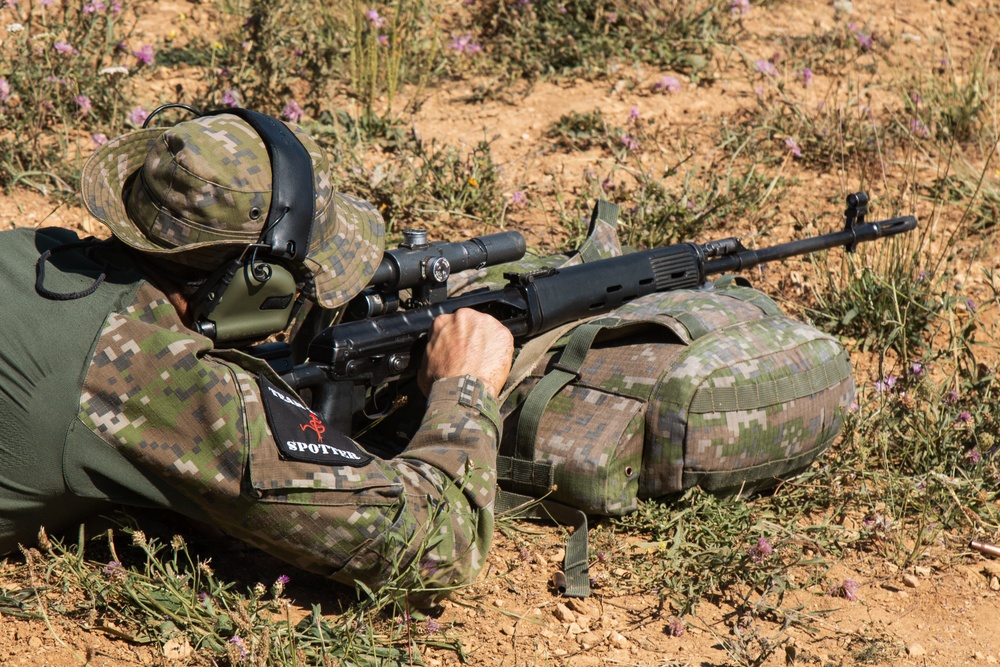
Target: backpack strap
(564,371)
(575,564)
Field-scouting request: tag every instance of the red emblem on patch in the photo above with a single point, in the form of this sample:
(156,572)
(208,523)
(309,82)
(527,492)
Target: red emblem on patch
(316,425)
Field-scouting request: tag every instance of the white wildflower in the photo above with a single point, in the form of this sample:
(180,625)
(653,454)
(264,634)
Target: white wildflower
(15,27)
(117,69)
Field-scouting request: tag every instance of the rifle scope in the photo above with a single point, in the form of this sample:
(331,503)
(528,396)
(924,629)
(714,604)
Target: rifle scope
(416,262)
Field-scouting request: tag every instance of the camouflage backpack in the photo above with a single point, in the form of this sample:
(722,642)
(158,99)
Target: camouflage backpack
(713,387)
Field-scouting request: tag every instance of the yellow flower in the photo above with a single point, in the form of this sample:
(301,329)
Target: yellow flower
(473,182)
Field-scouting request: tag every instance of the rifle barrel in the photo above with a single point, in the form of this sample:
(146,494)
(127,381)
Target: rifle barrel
(848,238)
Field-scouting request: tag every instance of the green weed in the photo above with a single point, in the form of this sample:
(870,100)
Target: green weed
(554,38)
(69,73)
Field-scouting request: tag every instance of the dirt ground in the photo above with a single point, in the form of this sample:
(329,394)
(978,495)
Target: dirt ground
(944,612)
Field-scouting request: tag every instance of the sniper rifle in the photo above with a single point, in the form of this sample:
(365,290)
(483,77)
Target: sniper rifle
(351,364)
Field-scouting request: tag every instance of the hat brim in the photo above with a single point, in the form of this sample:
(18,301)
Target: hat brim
(345,248)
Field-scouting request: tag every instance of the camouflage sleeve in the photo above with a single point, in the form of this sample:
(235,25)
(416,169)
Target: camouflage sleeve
(421,522)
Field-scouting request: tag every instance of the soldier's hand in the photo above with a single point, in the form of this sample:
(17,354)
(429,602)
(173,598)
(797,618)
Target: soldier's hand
(467,343)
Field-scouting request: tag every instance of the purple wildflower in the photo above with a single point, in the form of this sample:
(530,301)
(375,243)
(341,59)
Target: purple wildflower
(116,8)
(46,3)
(633,115)
(138,116)
(241,647)
(964,417)
(383,40)
(866,41)
(464,44)
(562,9)
(4,88)
(114,570)
(878,523)
(761,551)
(607,184)
(971,305)
(630,143)
(766,67)
(611,17)
(230,98)
(518,198)
(374,18)
(676,628)
(283,579)
(918,128)
(974,456)
(807,76)
(433,627)
(916,369)
(84,103)
(95,7)
(144,54)
(916,99)
(63,47)
(952,397)
(668,84)
(793,147)
(739,7)
(885,384)
(292,112)
(848,590)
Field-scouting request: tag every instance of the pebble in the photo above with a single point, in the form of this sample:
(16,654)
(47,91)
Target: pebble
(563,613)
(916,650)
(618,640)
(35,642)
(922,571)
(508,630)
(910,581)
(582,607)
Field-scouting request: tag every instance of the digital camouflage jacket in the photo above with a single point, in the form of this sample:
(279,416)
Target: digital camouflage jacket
(109,398)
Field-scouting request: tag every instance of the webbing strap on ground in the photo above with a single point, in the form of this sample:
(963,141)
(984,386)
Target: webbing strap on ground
(575,565)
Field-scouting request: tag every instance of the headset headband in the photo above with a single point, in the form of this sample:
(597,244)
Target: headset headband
(292,194)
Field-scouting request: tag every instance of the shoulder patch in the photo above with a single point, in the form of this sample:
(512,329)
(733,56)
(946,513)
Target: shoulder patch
(301,435)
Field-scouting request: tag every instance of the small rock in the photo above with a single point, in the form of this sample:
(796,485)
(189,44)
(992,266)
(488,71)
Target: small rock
(978,655)
(583,607)
(922,571)
(990,660)
(35,642)
(575,629)
(563,613)
(618,640)
(916,650)
(588,640)
(508,630)
(559,556)
(910,581)
(498,603)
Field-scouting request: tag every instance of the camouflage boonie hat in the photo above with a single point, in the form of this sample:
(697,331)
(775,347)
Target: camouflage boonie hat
(199,191)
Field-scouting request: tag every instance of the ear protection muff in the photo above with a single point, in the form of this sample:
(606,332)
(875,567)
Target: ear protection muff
(256,294)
